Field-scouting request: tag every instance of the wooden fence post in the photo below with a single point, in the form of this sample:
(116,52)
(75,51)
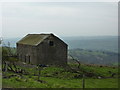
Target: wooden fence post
(40,67)
(39,73)
(83,82)
(6,66)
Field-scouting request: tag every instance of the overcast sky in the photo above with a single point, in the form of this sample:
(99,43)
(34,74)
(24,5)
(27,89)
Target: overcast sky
(62,19)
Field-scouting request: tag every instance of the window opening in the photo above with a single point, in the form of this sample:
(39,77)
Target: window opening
(51,43)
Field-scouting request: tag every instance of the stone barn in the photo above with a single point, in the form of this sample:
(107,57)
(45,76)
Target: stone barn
(45,49)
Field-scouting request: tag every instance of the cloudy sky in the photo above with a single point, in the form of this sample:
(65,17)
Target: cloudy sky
(61,18)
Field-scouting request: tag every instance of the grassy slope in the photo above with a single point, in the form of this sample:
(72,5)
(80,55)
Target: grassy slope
(55,77)
(59,83)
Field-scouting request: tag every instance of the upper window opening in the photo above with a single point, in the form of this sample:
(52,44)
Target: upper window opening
(51,43)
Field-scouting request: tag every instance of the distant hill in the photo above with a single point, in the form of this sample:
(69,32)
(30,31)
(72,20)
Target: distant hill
(102,43)
(94,57)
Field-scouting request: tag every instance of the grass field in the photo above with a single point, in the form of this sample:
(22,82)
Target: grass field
(51,82)
(58,77)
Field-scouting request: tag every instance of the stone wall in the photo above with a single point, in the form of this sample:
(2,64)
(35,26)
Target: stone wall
(51,51)
(52,54)
(27,53)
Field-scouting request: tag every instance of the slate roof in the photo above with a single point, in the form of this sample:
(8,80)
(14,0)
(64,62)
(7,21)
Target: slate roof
(33,39)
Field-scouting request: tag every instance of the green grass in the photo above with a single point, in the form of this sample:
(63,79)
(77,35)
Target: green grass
(58,83)
(58,77)
(103,71)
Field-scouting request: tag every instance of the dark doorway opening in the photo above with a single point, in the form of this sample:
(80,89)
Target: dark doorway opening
(28,59)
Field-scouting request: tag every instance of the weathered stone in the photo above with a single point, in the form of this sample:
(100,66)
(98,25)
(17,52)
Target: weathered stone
(44,49)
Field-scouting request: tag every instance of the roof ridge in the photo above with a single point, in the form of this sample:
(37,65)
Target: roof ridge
(41,34)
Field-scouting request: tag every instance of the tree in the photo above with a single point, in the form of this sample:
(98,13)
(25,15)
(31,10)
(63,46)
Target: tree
(76,61)
(8,58)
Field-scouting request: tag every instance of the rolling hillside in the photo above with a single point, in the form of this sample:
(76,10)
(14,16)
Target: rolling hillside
(95,57)
(105,43)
